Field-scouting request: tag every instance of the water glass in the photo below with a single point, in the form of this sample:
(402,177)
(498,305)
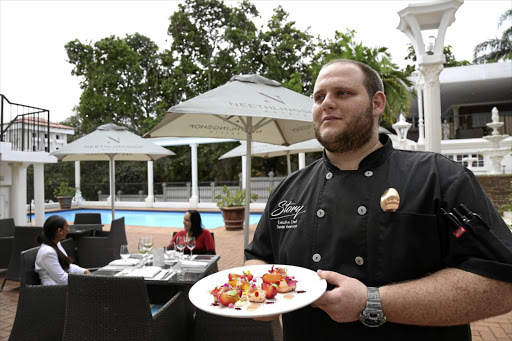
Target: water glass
(143,250)
(125,254)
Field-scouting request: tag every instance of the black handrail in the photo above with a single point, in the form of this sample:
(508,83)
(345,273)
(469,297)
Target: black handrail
(30,122)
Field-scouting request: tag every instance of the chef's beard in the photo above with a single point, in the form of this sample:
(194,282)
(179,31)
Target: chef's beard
(357,133)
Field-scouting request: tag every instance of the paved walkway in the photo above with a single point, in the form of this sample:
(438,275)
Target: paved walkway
(229,245)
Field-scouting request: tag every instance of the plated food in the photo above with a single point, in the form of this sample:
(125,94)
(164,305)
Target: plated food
(257,290)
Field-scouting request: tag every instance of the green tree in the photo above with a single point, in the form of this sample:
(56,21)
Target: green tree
(287,52)
(494,50)
(121,82)
(395,81)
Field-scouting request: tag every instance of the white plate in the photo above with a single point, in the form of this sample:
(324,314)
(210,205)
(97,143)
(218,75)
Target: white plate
(308,281)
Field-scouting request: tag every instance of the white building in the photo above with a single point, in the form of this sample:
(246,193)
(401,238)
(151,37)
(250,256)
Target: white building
(24,141)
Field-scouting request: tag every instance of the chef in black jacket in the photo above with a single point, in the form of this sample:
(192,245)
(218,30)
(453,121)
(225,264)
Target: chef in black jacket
(407,241)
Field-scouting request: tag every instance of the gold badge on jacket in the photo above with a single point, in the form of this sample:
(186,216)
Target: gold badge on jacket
(390,200)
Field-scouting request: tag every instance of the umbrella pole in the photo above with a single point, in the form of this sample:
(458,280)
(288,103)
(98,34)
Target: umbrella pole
(247,182)
(288,163)
(112,184)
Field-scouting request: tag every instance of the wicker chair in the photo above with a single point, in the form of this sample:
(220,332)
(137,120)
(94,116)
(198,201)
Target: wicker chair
(95,252)
(117,308)
(87,218)
(208,327)
(28,260)
(25,237)
(40,313)
(6,241)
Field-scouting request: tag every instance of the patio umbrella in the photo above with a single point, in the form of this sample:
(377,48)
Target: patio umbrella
(111,142)
(248,107)
(267,150)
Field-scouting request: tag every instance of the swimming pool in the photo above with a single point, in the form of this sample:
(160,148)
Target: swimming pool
(210,220)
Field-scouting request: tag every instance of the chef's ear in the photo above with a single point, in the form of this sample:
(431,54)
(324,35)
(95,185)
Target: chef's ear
(378,103)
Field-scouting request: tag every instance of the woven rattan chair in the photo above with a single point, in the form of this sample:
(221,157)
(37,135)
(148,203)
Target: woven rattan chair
(118,308)
(208,327)
(95,252)
(6,242)
(87,218)
(25,237)
(40,313)
(28,260)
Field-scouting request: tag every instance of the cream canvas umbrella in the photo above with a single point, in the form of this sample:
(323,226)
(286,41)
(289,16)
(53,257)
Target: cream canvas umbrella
(248,107)
(267,150)
(110,142)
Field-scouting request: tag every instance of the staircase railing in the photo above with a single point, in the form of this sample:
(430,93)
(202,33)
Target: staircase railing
(27,128)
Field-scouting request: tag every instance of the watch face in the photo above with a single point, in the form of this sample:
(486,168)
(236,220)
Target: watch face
(372,318)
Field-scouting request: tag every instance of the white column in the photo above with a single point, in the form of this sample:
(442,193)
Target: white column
(194,199)
(302,160)
(78,192)
(151,190)
(421,122)
(39,193)
(19,193)
(244,172)
(456,120)
(432,100)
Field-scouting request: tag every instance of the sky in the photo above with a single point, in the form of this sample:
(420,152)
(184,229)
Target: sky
(33,62)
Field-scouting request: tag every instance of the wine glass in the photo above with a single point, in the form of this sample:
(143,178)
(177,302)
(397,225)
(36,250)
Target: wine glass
(191,244)
(180,244)
(125,254)
(143,250)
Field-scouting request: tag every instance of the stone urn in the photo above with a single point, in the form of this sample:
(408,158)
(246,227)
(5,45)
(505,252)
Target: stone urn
(65,201)
(233,217)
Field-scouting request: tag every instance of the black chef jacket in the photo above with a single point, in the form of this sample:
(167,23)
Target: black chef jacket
(324,218)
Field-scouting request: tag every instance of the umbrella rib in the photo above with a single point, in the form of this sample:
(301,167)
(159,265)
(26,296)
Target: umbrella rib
(281,134)
(244,128)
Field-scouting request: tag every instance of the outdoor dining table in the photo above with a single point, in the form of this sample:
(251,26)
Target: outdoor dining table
(167,274)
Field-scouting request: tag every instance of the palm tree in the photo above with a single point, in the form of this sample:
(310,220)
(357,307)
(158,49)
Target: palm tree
(494,50)
(396,84)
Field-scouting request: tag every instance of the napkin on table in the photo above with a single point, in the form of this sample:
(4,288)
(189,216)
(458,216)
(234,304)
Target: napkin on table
(147,272)
(193,264)
(129,262)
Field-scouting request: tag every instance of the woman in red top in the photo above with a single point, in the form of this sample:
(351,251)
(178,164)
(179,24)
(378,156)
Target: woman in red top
(194,227)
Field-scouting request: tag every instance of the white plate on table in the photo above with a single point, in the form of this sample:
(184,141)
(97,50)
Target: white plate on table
(309,288)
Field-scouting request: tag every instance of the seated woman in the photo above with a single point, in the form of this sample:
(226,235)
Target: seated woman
(52,262)
(194,227)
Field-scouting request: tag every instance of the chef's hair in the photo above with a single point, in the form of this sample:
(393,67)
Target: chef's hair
(372,83)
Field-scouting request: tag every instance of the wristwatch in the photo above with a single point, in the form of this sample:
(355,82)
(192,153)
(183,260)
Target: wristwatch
(372,315)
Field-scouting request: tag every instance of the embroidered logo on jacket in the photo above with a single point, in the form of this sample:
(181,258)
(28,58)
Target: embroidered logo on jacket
(286,214)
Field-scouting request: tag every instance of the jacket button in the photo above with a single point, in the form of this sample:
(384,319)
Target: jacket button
(317,257)
(368,173)
(320,213)
(361,210)
(359,260)
(328,176)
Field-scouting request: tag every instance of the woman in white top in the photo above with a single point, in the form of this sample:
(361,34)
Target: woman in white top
(52,262)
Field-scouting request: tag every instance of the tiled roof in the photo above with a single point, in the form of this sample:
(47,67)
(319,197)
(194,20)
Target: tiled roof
(43,122)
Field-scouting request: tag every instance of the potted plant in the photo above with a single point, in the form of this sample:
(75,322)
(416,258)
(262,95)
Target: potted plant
(64,193)
(232,206)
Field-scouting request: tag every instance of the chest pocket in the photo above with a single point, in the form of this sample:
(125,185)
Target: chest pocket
(408,246)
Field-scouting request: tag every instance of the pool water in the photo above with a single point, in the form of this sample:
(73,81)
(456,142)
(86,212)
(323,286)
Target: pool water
(210,220)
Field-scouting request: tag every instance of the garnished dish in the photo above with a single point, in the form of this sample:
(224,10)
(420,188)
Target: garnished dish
(257,290)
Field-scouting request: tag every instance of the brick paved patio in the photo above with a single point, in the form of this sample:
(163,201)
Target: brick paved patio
(229,246)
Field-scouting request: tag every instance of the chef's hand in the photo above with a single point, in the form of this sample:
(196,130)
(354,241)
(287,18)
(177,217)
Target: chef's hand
(346,301)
